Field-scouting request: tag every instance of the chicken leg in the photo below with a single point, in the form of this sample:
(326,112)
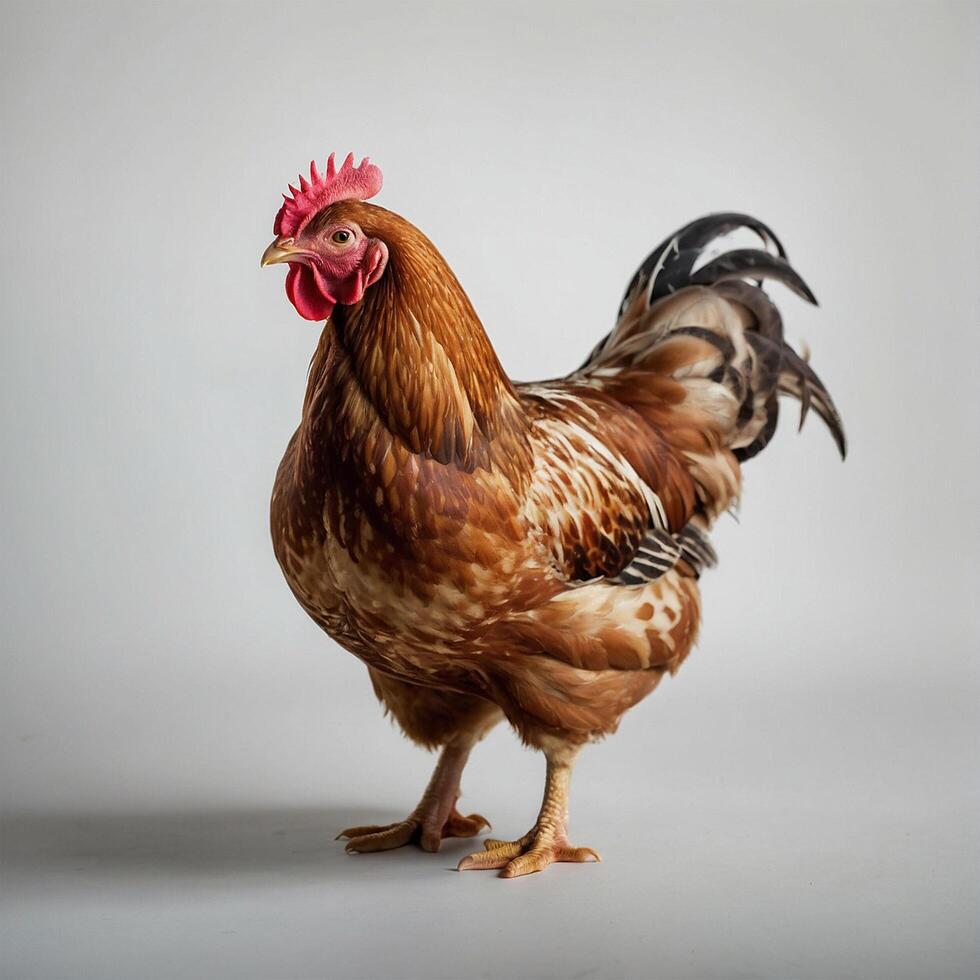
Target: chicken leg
(547,841)
(433,819)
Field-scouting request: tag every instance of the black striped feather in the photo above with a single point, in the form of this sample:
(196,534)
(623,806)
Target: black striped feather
(658,554)
(696,549)
(660,551)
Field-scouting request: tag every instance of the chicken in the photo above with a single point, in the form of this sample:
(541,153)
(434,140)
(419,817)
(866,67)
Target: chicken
(493,550)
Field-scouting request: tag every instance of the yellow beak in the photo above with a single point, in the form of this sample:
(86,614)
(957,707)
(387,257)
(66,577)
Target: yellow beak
(281,250)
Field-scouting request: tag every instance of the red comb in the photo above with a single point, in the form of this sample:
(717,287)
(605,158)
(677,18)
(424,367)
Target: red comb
(349,183)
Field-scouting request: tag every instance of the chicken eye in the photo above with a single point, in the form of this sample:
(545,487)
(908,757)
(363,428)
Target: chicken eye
(341,237)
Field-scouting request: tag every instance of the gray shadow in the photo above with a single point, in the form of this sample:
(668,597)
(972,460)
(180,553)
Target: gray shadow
(208,843)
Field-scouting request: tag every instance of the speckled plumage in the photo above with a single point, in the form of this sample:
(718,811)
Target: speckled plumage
(492,549)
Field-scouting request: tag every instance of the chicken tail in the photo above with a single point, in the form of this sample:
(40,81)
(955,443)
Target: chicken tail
(702,322)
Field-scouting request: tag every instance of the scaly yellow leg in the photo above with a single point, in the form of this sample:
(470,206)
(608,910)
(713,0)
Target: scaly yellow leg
(547,841)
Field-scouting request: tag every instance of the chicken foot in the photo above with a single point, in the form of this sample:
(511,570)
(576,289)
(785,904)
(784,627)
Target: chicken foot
(435,818)
(547,841)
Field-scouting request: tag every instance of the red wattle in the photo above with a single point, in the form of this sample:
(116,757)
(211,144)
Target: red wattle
(351,289)
(305,294)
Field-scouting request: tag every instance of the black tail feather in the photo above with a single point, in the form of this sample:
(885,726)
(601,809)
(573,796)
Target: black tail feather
(796,377)
(774,368)
(675,256)
(743,263)
(768,319)
(764,437)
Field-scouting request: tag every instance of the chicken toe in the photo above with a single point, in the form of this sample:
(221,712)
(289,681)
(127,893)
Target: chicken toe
(422,828)
(534,851)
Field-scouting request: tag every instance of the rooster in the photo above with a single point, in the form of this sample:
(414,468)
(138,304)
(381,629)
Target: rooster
(494,550)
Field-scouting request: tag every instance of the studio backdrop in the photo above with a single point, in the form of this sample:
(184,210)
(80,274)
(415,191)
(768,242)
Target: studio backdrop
(180,743)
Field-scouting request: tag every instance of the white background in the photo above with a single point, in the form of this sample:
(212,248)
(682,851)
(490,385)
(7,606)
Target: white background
(180,743)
